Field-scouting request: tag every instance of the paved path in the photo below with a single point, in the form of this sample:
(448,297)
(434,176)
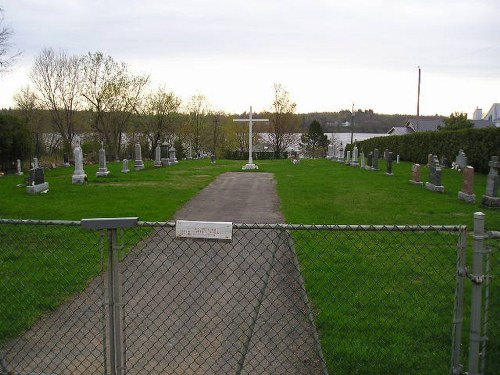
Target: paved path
(194,306)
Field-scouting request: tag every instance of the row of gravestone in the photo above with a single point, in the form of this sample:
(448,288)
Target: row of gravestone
(356,159)
(489,199)
(36,183)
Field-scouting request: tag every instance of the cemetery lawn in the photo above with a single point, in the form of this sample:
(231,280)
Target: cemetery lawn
(312,192)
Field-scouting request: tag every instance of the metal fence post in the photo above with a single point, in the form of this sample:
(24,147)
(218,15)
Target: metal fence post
(458,312)
(477,279)
(115,339)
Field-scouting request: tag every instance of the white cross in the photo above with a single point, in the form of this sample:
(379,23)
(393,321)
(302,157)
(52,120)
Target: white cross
(250,121)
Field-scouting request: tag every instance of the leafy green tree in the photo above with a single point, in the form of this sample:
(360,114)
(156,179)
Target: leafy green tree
(457,121)
(314,142)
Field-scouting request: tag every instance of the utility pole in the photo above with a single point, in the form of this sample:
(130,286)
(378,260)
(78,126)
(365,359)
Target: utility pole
(418,99)
(352,123)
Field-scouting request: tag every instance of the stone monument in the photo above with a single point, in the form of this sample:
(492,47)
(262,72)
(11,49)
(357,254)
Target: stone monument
(36,181)
(250,120)
(416,175)
(139,164)
(103,169)
(171,153)
(355,162)
(460,161)
(125,166)
(79,176)
(467,192)
(389,164)
(490,198)
(19,168)
(435,172)
(158,163)
(375,160)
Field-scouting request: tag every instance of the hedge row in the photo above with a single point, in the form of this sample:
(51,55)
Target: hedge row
(479,146)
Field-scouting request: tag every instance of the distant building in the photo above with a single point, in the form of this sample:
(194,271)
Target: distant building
(430,125)
(493,115)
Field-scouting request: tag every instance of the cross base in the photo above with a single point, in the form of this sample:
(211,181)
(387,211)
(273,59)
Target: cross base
(249,166)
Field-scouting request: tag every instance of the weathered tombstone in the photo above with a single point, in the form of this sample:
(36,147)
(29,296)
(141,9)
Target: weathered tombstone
(79,176)
(19,168)
(355,162)
(139,164)
(491,199)
(389,164)
(334,153)
(329,153)
(348,158)
(36,181)
(369,161)
(467,192)
(416,175)
(164,153)
(171,153)
(66,160)
(375,160)
(158,163)
(125,166)
(340,159)
(397,159)
(429,159)
(435,171)
(362,161)
(103,169)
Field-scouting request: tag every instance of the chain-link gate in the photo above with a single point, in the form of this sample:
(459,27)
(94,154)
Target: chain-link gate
(131,297)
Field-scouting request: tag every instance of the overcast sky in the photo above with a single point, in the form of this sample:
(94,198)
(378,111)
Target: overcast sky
(329,54)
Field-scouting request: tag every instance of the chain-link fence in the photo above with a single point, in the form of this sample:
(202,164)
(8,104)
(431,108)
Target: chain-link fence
(278,299)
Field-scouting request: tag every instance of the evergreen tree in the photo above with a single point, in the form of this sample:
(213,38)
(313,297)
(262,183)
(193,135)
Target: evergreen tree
(314,143)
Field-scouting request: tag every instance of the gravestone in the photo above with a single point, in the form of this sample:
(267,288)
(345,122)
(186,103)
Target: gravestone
(362,161)
(467,192)
(348,158)
(389,164)
(36,181)
(164,153)
(103,169)
(429,159)
(490,198)
(172,159)
(340,157)
(355,162)
(369,161)
(334,153)
(435,172)
(139,164)
(386,153)
(125,166)
(19,168)
(375,160)
(66,160)
(397,159)
(416,174)
(330,152)
(158,163)
(79,176)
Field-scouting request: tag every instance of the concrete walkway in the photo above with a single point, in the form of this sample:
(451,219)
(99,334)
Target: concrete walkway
(196,306)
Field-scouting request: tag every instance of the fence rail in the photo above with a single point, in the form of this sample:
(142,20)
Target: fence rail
(123,296)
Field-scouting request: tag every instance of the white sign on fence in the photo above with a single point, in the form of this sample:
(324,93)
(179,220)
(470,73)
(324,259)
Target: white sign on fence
(204,229)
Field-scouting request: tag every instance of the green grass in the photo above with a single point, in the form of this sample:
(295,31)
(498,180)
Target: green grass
(383,302)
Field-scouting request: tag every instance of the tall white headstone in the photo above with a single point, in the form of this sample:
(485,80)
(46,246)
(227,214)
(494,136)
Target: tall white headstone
(158,163)
(19,169)
(125,166)
(103,169)
(139,164)
(79,176)
(250,120)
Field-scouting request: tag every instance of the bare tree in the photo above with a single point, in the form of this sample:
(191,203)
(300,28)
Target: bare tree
(113,95)
(57,78)
(198,109)
(160,110)
(283,123)
(6,60)
(27,102)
